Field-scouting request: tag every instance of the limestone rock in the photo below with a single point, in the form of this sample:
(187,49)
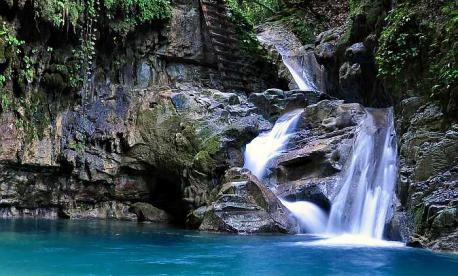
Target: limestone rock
(244,205)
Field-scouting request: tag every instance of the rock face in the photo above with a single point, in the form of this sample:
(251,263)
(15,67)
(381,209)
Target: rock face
(428,181)
(244,205)
(160,146)
(147,139)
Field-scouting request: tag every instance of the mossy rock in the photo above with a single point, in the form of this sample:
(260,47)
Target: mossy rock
(212,145)
(204,162)
(168,142)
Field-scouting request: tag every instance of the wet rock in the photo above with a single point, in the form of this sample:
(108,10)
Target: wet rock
(350,79)
(274,102)
(43,212)
(9,137)
(358,53)
(244,205)
(149,213)
(310,166)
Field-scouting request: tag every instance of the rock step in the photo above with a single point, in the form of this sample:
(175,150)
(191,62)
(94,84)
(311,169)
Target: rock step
(220,29)
(223,37)
(240,66)
(225,44)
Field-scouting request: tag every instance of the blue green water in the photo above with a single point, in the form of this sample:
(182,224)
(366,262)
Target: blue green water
(41,247)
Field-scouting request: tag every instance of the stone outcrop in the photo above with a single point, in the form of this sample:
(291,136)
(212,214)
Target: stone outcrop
(151,129)
(244,205)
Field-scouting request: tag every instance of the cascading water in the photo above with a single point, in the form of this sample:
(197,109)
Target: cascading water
(367,185)
(266,146)
(299,65)
(311,218)
(302,77)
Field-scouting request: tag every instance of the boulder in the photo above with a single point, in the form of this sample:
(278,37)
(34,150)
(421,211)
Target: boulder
(149,213)
(244,205)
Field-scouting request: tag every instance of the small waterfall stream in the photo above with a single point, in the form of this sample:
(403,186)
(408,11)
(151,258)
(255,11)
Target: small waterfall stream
(268,145)
(295,65)
(298,63)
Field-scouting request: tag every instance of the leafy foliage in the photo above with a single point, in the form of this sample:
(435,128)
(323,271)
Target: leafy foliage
(245,32)
(254,12)
(418,50)
(401,42)
(125,13)
(134,12)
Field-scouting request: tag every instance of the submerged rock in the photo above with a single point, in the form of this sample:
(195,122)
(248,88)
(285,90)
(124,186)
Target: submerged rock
(244,205)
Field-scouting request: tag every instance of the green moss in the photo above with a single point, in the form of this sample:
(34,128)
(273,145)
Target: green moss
(2,51)
(204,162)
(419,213)
(168,140)
(79,147)
(126,14)
(254,12)
(212,145)
(59,12)
(303,29)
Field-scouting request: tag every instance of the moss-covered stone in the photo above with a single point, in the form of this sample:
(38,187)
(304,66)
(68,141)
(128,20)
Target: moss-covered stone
(204,162)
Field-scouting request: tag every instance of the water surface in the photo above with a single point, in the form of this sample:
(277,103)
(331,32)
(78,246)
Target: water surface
(46,247)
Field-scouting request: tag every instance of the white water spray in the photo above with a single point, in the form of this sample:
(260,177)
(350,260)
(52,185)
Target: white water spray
(367,185)
(266,146)
(311,218)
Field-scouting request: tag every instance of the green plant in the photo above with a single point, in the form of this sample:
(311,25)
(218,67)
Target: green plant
(255,11)
(401,43)
(2,80)
(6,101)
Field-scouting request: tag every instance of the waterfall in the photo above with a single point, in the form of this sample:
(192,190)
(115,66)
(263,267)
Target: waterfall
(299,63)
(301,75)
(266,146)
(366,188)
